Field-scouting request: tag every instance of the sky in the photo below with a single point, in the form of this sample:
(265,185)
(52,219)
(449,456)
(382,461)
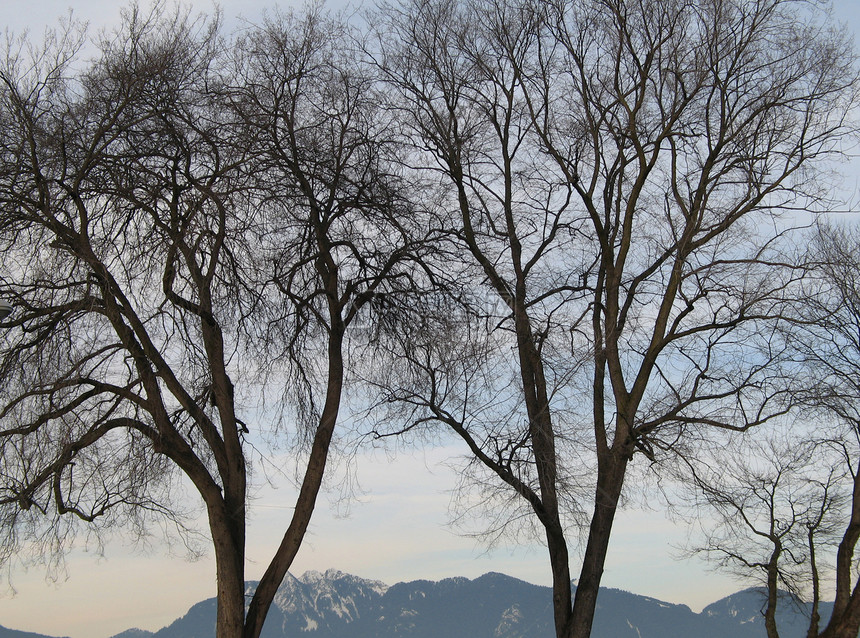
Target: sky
(395,530)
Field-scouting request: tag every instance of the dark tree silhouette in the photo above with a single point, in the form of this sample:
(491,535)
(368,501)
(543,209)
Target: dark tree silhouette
(169,214)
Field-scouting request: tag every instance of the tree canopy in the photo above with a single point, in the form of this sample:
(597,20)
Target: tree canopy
(555,230)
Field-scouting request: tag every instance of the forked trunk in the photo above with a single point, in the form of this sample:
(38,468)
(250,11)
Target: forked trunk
(561,590)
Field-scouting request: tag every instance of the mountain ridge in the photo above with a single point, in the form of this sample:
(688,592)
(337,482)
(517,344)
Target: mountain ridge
(333,604)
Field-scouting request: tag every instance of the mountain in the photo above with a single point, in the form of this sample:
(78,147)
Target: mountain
(11,633)
(338,605)
(743,610)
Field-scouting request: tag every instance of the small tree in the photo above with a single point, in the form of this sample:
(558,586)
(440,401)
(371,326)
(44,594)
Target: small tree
(770,512)
(784,510)
(828,344)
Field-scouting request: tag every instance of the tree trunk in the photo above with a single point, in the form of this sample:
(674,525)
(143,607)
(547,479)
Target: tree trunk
(612,467)
(815,616)
(561,590)
(845,621)
(230,571)
(306,501)
(772,590)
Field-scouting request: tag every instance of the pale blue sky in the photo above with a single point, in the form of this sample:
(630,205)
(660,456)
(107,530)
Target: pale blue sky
(396,531)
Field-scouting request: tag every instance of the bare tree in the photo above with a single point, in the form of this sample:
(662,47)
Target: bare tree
(769,514)
(796,504)
(613,176)
(828,343)
(168,212)
(338,227)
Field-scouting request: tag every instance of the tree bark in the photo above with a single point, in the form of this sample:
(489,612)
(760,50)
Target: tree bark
(847,624)
(772,591)
(561,589)
(845,619)
(815,616)
(611,470)
(228,540)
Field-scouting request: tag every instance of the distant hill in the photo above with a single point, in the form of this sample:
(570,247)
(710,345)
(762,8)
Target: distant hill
(336,605)
(11,633)
(132,633)
(744,610)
